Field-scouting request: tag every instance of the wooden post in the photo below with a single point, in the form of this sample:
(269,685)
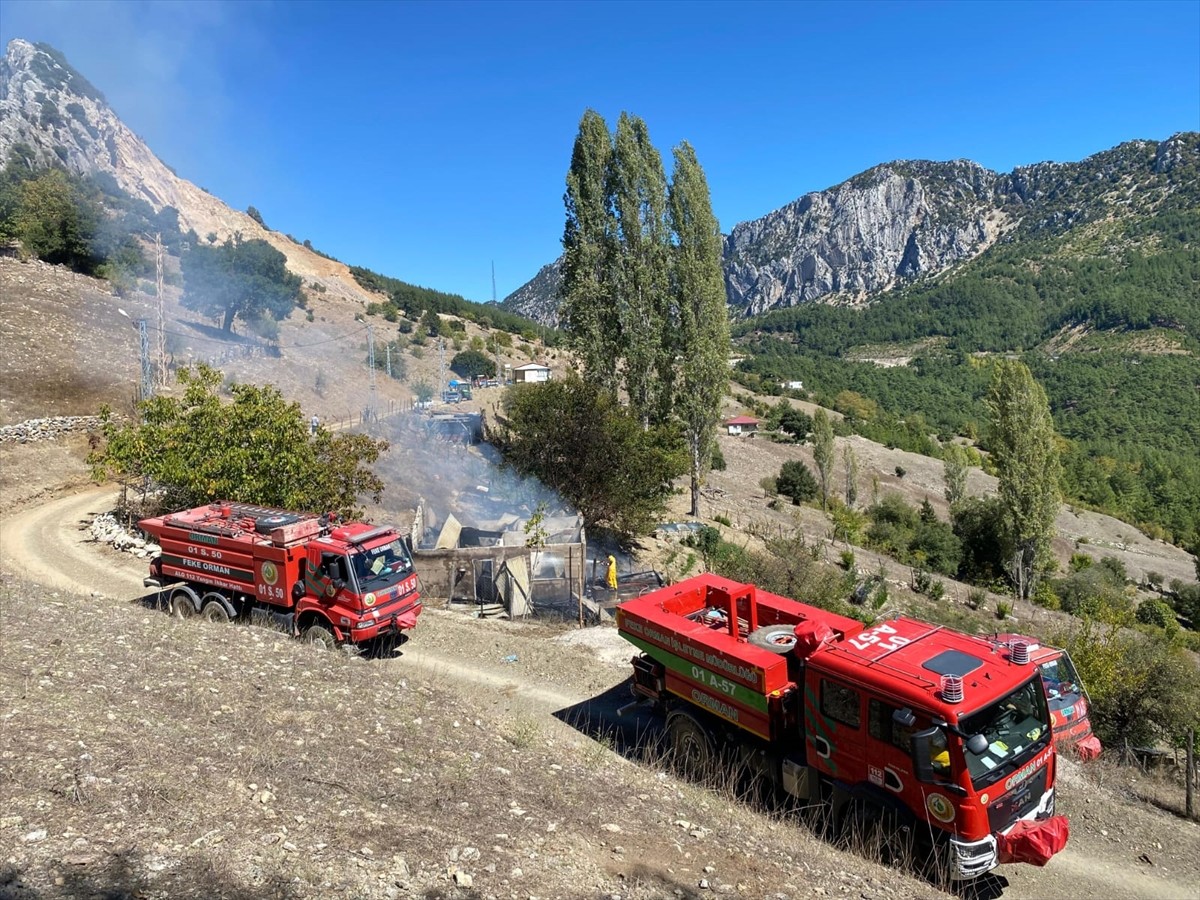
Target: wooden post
(1191,772)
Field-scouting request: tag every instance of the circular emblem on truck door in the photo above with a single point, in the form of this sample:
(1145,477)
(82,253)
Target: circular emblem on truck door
(369,599)
(940,808)
(269,573)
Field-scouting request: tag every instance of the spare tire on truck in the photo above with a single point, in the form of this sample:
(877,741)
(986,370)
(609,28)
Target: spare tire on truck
(778,639)
(267,524)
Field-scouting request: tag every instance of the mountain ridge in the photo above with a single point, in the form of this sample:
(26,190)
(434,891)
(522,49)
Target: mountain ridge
(50,108)
(900,221)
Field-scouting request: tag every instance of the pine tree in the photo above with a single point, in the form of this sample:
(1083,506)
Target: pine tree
(1022,444)
(699,335)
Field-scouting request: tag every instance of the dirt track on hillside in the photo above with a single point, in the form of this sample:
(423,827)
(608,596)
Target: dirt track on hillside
(1111,837)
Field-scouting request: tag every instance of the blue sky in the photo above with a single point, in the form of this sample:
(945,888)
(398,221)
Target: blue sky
(429,140)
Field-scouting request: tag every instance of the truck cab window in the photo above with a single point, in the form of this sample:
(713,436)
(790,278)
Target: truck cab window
(883,727)
(841,703)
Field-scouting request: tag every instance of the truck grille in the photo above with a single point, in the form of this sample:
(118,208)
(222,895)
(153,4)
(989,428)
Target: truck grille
(1017,803)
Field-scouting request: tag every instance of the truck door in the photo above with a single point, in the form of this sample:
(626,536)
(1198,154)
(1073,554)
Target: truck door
(327,575)
(833,718)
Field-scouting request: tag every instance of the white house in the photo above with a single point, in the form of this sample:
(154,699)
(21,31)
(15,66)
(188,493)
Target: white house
(793,385)
(742,425)
(531,373)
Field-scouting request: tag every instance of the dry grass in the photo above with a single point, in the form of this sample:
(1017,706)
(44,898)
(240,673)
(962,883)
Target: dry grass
(145,757)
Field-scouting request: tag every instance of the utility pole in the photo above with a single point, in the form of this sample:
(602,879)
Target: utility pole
(388,348)
(161,375)
(441,365)
(147,369)
(371,364)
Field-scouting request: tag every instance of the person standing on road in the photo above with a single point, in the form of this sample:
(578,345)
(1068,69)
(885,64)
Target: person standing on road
(315,423)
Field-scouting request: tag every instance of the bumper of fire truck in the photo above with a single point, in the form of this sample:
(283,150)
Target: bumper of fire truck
(382,621)
(970,859)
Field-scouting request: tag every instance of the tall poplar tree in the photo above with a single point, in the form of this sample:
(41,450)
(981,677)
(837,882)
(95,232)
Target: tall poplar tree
(697,333)
(588,307)
(638,195)
(823,451)
(955,468)
(1023,449)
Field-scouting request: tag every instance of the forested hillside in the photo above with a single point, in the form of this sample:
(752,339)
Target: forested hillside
(1106,313)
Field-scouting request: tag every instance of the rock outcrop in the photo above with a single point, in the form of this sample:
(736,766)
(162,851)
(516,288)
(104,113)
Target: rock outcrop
(53,114)
(895,222)
(902,221)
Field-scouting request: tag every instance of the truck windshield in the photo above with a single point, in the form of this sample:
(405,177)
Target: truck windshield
(381,566)
(1061,683)
(1016,728)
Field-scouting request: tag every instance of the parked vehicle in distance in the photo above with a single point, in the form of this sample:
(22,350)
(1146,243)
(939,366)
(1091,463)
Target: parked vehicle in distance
(1065,693)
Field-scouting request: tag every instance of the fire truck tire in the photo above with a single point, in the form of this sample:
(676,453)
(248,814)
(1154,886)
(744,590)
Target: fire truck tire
(214,609)
(691,746)
(778,639)
(182,605)
(320,636)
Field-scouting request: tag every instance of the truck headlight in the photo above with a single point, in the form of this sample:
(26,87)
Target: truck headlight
(365,623)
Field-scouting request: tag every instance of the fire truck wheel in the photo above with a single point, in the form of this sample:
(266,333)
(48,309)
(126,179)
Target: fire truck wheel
(320,636)
(214,611)
(181,606)
(775,638)
(691,748)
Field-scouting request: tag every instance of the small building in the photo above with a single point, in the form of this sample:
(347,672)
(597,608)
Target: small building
(792,385)
(742,425)
(531,373)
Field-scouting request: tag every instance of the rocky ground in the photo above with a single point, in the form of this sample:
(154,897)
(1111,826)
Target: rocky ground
(144,757)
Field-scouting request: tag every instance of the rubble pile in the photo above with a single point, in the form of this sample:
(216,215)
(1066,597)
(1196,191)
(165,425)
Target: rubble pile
(105,529)
(46,429)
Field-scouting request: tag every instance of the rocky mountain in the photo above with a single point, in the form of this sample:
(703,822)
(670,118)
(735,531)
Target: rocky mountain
(61,118)
(903,221)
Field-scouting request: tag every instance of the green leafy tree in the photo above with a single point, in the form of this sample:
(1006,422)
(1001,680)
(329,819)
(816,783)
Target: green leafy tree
(795,481)
(1022,444)
(985,538)
(955,468)
(823,451)
(795,422)
(850,461)
(56,221)
(257,448)
(253,213)
(576,438)
(699,337)
(431,322)
(473,364)
(240,279)
(640,275)
(588,308)
(423,390)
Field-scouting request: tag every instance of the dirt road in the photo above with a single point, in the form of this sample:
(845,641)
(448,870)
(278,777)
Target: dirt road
(1111,841)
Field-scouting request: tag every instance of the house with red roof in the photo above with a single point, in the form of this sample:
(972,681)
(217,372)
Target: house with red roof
(742,425)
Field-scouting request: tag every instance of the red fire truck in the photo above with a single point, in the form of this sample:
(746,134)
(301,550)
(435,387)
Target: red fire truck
(1068,699)
(326,581)
(929,735)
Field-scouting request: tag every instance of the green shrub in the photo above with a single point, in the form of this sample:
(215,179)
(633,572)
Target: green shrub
(1003,610)
(796,482)
(723,520)
(717,459)
(847,560)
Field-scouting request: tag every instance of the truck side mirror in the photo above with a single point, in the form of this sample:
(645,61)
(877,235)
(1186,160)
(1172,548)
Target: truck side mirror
(922,764)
